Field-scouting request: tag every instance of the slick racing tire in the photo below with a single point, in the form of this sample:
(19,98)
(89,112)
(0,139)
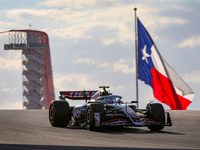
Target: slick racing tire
(59,113)
(89,115)
(157,113)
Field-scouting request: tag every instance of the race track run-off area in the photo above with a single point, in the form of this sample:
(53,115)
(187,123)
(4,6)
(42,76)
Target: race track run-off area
(30,129)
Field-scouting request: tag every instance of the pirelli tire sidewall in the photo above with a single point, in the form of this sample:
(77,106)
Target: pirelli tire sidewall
(59,113)
(156,113)
(89,115)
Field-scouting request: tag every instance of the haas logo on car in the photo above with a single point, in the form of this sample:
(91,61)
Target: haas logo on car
(80,93)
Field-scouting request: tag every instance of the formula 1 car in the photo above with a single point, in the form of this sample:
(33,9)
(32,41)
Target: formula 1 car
(104,109)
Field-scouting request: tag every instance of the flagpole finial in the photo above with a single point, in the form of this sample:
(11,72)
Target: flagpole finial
(135,8)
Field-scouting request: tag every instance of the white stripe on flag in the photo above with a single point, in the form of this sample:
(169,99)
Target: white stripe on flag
(180,86)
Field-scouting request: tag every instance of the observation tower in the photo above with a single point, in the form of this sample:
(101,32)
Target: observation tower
(38,88)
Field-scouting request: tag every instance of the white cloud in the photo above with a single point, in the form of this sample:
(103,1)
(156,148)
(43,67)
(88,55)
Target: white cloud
(180,8)
(171,20)
(122,67)
(10,64)
(102,65)
(73,81)
(28,14)
(81,4)
(8,89)
(194,41)
(85,61)
(72,4)
(107,41)
(73,32)
(90,62)
(193,77)
(78,24)
(5,24)
(11,105)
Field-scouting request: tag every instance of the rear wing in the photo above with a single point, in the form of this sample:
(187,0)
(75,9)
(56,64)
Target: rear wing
(77,95)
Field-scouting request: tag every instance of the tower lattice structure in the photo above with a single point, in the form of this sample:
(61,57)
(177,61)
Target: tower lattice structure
(38,88)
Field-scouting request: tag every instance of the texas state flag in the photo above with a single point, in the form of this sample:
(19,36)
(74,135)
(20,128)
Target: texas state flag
(168,86)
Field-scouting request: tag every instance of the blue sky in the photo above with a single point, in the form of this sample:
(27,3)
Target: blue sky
(92,43)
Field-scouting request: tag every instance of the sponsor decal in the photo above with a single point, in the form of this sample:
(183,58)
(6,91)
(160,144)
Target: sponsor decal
(149,121)
(79,113)
(79,93)
(97,119)
(115,122)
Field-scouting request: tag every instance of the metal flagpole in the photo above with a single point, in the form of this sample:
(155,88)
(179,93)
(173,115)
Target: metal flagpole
(136,57)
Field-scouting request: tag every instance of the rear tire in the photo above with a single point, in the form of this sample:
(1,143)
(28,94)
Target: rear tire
(89,115)
(59,113)
(156,113)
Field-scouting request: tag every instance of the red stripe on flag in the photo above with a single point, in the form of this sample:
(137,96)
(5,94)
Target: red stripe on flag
(165,92)
(184,102)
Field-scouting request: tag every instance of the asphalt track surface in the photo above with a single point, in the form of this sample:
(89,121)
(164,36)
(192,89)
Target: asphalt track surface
(30,129)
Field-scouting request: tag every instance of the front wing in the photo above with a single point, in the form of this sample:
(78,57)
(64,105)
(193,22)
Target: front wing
(119,121)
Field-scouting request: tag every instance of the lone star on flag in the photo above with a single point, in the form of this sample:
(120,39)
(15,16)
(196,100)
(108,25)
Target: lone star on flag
(145,54)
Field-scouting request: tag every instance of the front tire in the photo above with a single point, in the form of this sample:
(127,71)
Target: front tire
(59,113)
(89,115)
(156,112)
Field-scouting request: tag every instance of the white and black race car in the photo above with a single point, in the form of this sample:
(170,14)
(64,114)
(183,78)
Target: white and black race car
(104,109)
